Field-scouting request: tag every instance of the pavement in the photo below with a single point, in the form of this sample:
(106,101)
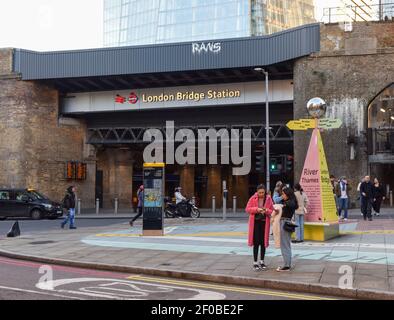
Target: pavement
(357,265)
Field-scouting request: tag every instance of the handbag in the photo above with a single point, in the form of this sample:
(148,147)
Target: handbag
(289,226)
(259,217)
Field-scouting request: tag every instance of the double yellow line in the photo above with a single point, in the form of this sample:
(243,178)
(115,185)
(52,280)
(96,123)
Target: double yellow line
(204,285)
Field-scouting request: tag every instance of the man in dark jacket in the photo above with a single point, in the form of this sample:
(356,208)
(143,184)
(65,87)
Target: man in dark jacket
(69,205)
(366,190)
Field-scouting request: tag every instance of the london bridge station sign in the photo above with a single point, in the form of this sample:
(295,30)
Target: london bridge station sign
(177,97)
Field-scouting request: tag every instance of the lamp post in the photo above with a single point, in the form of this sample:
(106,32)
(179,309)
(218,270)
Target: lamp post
(267,128)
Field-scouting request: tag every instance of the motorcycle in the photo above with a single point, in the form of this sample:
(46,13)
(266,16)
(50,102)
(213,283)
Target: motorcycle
(187,209)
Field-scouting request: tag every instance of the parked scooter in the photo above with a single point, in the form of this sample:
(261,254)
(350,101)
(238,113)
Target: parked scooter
(186,209)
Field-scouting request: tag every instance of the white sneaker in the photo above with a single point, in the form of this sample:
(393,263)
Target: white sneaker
(345,219)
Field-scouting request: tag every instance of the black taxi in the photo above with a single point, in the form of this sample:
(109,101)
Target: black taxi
(18,203)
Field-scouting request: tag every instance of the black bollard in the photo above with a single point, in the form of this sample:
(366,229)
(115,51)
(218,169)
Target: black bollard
(14,231)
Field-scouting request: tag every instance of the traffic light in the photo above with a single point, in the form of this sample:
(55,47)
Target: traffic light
(273,164)
(289,163)
(260,162)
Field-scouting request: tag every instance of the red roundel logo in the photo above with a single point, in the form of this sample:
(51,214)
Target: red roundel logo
(133,99)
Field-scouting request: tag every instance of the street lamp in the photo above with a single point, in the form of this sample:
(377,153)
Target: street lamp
(267,128)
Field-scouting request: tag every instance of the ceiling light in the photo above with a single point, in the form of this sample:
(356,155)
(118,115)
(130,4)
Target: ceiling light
(383,110)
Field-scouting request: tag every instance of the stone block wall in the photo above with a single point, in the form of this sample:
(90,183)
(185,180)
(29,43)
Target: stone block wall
(35,144)
(349,71)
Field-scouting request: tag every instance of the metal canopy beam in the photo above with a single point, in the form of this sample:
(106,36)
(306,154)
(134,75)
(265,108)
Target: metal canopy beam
(133,135)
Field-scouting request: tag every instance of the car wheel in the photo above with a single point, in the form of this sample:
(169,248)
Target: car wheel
(36,214)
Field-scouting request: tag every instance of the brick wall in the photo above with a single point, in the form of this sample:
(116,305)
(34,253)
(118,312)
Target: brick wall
(351,69)
(35,145)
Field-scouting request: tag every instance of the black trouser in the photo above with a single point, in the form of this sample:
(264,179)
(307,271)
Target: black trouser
(138,215)
(376,204)
(366,207)
(258,239)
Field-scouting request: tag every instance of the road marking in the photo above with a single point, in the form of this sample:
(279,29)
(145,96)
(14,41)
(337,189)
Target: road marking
(229,288)
(203,237)
(106,288)
(38,292)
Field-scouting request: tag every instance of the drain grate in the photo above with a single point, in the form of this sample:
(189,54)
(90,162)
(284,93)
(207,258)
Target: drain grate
(42,242)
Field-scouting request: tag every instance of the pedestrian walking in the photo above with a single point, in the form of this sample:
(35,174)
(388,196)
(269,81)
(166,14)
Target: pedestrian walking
(334,183)
(302,201)
(140,197)
(69,205)
(259,208)
(342,191)
(366,190)
(378,196)
(359,191)
(290,205)
(277,198)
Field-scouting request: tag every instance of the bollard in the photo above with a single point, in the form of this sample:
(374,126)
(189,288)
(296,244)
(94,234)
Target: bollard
(225,194)
(194,200)
(391,198)
(234,204)
(213,204)
(116,205)
(97,206)
(224,205)
(79,207)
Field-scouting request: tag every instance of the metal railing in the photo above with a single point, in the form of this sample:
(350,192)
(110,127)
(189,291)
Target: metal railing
(378,12)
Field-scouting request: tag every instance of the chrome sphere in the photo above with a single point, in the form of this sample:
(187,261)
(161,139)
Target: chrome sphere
(316,108)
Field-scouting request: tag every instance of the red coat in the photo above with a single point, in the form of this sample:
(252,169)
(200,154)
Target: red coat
(251,209)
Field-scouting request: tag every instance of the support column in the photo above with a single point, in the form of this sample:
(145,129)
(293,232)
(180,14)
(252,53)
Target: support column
(241,190)
(187,174)
(214,186)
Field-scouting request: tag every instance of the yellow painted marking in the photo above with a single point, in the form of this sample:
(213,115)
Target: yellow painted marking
(154,165)
(228,288)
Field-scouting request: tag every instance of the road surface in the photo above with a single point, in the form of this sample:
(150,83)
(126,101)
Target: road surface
(24,280)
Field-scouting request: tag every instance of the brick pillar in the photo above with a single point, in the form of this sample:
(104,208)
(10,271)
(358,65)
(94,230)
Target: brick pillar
(124,178)
(241,190)
(214,186)
(187,180)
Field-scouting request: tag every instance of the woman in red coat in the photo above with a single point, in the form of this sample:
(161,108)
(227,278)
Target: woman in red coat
(259,208)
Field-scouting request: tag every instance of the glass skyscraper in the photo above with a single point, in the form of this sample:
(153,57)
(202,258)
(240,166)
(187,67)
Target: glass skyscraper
(136,22)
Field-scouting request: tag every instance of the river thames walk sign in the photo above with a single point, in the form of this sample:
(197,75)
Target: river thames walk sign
(321,218)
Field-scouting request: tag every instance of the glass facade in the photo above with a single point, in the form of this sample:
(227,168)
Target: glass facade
(138,22)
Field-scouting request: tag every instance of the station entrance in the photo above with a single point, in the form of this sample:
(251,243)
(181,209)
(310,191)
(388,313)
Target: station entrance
(119,144)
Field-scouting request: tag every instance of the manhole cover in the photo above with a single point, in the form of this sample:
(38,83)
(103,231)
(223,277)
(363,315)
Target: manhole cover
(42,242)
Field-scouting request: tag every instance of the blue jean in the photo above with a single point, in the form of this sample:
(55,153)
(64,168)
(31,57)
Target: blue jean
(299,220)
(343,205)
(285,245)
(69,217)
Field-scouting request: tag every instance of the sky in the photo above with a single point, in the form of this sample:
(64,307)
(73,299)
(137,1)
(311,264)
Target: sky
(47,25)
